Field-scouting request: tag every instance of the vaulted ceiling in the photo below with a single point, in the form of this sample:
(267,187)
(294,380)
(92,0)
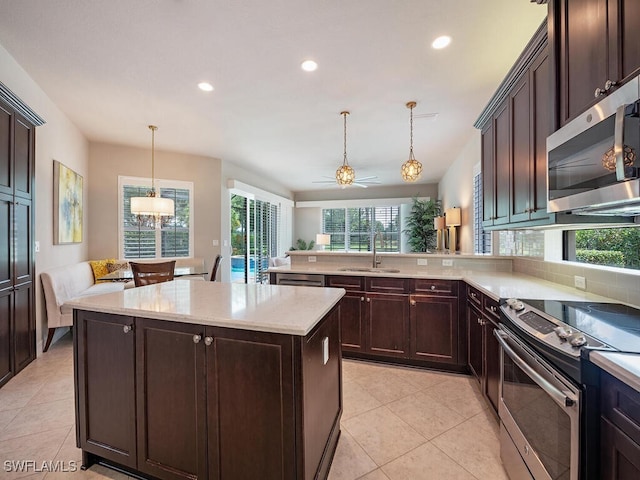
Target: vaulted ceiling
(116,66)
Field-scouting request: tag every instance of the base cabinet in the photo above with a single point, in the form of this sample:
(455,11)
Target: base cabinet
(173,400)
(387,324)
(434,328)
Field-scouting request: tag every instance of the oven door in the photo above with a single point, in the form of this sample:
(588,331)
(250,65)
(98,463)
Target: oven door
(539,413)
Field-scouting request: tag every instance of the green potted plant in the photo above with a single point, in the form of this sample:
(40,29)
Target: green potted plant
(302,245)
(419,224)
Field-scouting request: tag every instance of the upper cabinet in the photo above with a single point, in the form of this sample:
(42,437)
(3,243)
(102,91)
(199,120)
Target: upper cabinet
(596,45)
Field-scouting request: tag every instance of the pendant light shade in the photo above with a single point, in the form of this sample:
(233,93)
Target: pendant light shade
(412,168)
(152,207)
(345,175)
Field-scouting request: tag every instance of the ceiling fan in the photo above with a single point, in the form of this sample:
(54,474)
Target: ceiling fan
(363,182)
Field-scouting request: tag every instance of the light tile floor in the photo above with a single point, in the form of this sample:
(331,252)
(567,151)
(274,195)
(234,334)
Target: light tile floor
(398,423)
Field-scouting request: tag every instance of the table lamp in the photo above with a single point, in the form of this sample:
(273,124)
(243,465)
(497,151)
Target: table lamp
(439,226)
(323,239)
(452,219)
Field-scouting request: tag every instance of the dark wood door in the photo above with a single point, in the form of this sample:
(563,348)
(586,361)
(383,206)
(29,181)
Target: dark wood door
(488,175)
(502,152)
(171,377)
(521,174)
(6,241)
(24,135)
(475,341)
(619,454)
(6,150)
(583,52)
(6,314)
(434,328)
(251,413)
(542,125)
(24,340)
(491,362)
(387,322)
(351,321)
(624,34)
(23,241)
(105,380)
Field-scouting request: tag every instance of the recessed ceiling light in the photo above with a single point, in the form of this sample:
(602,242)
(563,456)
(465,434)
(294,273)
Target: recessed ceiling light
(205,87)
(441,42)
(309,66)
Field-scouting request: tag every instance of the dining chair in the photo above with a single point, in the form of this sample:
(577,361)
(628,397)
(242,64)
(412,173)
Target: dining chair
(153,272)
(216,266)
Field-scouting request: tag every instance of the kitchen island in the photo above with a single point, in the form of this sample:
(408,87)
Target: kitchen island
(189,379)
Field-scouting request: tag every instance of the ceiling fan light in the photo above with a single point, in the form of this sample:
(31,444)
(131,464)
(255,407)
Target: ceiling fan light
(345,175)
(411,170)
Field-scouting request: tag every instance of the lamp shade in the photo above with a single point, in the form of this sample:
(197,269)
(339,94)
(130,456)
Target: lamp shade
(156,206)
(452,217)
(323,239)
(438,223)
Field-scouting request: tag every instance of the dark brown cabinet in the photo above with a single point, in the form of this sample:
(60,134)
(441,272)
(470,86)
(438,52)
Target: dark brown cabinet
(352,311)
(17,320)
(482,347)
(387,322)
(514,134)
(597,46)
(619,430)
(183,401)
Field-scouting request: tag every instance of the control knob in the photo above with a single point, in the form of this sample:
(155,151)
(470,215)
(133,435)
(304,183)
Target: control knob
(518,306)
(563,332)
(577,340)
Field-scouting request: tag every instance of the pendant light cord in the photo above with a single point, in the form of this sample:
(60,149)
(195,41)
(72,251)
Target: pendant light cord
(153,129)
(344,161)
(411,157)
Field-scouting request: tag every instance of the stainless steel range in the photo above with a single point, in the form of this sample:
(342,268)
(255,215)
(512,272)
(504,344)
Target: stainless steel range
(546,409)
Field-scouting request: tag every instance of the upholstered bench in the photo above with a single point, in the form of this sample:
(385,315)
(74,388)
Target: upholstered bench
(61,284)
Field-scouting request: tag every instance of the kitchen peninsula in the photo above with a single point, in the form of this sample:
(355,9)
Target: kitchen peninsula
(190,379)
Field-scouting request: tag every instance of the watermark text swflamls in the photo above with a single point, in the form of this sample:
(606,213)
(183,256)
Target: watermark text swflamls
(35,466)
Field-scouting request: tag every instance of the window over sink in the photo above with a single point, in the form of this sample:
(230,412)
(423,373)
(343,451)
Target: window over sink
(353,229)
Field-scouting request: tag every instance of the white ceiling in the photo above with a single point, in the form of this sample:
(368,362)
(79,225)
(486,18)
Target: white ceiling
(116,66)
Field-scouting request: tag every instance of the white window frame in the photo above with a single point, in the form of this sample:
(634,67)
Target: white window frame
(159,184)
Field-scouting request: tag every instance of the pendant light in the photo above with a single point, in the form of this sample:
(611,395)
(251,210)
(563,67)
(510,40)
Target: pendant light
(412,168)
(345,175)
(152,208)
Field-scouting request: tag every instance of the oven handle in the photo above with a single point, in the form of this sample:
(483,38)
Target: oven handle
(558,396)
(618,142)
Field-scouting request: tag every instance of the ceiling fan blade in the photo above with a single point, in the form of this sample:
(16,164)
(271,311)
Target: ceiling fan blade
(364,179)
(361,185)
(324,181)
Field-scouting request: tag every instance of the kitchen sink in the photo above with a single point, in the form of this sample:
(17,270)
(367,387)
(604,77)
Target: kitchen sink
(369,269)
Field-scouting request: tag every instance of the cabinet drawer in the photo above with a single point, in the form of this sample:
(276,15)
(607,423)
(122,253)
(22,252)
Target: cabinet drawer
(491,308)
(621,405)
(387,285)
(435,287)
(474,296)
(349,283)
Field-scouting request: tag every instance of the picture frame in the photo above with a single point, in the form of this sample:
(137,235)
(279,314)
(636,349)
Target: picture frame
(67,205)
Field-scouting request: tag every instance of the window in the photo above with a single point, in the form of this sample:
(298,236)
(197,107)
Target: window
(170,238)
(613,247)
(481,239)
(352,229)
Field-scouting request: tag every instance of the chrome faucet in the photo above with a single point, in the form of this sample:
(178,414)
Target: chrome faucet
(375,260)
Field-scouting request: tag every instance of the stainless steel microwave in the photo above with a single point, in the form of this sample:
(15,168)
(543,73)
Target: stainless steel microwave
(593,164)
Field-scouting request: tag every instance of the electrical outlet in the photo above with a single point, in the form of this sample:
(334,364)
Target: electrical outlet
(311,258)
(422,261)
(37,246)
(325,350)
(447,262)
(216,243)
(579,282)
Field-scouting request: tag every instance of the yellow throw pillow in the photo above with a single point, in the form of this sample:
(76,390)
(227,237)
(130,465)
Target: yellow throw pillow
(100,268)
(116,265)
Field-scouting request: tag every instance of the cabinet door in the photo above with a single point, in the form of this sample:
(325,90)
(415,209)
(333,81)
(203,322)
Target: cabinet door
(24,347)
(105,380)
(24,134)
(620,456)
(488,175)
(6,153)
(624,32)
(6,236)
(492,363)
(6,313)
(583,52)
(475,341)
(387,324)
(543,106)
(23,250)
(250,399)
(351,321)
(171,377)
(521,177)
(502,152)
(434,329)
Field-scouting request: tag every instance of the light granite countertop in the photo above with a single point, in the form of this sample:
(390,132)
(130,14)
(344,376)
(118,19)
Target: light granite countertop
(264,308)
(623,366)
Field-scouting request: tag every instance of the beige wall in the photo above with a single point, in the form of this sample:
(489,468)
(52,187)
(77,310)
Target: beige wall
(58,139)
(456,188)
(108,161)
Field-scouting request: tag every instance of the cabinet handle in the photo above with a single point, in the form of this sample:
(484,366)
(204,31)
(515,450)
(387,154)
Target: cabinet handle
(368,300)
(599,92)
(127,328)
(362,299)
(479,321)
(433,287)
(208,341)
(492,308)
(197,338)
(412,302)
(609,84)
(473,294)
